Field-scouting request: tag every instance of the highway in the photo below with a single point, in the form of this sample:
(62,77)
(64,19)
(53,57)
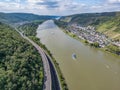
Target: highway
(47,74)
(51,81)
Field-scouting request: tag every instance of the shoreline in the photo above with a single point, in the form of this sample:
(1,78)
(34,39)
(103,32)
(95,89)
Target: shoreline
(61,78)
(83,41)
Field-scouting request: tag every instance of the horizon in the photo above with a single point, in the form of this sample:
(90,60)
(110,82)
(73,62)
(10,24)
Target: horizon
(59,7)
(55,15)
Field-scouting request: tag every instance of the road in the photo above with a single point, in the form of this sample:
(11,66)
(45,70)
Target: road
(55,80)
(47,73)
(51,80)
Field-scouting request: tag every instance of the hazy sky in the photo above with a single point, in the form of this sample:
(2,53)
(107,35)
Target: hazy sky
(59,7)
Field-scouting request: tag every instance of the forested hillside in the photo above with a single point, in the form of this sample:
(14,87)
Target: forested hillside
(22,17)
(29,29)
(20,64)
(107,23)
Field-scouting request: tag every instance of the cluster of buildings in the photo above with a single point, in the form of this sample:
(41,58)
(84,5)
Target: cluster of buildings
(116,43)
(89,33)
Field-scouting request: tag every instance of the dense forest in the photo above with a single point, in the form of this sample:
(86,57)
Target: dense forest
(21,66)
(29,29)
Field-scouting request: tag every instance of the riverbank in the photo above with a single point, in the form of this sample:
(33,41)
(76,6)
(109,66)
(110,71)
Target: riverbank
(32,36)
(61,77)
(115,50)
(105,49)
(85,72)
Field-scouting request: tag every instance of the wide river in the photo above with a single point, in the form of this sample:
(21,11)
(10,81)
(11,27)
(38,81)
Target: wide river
(92,70)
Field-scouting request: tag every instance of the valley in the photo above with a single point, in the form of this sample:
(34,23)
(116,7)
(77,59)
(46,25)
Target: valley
(36,51)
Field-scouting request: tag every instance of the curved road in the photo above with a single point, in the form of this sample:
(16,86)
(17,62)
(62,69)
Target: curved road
(51,78)
(47,73)
(46,66)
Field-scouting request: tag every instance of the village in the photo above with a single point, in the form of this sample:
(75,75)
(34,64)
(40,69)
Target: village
(90,34)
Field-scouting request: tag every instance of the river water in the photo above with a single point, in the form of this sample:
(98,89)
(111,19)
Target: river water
(92,70)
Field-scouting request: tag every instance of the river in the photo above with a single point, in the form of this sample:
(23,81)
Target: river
(92,70)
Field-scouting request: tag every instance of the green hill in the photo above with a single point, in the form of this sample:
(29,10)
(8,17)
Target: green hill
(107,22)
(22,17)
(21,66)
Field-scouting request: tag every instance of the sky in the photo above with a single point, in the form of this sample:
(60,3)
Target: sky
(59,7)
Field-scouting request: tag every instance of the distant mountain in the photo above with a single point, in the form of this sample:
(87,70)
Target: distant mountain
(22,17)
(107,22)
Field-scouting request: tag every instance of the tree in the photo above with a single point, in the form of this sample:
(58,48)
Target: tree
(95,44)
(20,63)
